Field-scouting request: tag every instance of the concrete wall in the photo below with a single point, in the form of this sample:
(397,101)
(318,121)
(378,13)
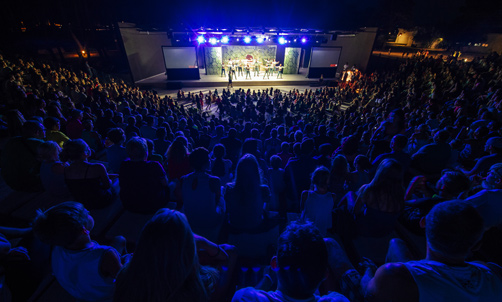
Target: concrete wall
(494,42)
(405,37)
(143,50)
(356,48)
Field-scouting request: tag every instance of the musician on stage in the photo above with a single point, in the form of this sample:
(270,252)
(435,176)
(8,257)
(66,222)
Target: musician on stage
(280,71)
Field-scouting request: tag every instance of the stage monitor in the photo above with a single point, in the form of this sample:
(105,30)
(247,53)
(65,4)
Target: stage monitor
(181,62)
(324,57)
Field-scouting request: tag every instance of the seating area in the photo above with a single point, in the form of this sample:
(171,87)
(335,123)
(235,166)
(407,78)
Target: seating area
(227,172)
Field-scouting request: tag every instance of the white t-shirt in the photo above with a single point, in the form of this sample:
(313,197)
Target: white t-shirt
(250,294)
(439,282)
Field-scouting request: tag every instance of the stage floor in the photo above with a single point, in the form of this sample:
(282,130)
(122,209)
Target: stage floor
(160,81)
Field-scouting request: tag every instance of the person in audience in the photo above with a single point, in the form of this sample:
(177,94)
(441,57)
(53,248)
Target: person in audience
(284,154)
(301,264)
(115,152)
(297,174)
(160,142)
(494,147)
(397,145)
(339,174)
(360,176)
(88,183)
(165,265)
(221,167)
(74,126)
(52,132)
(152,156)
(91,137)
(318,203)
(452,230)
(84,268)
(52,169)
(143,183)
(488,201)
(247,196)
(433,158)
(275,178)
(420,199)
(201,198)
(177,162)
(19,163)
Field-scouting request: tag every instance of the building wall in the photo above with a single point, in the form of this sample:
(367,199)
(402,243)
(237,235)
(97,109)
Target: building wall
(356,48)
(494,42)
(143,50)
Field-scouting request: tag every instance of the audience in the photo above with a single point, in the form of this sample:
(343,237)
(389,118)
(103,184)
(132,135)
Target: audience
(416,119)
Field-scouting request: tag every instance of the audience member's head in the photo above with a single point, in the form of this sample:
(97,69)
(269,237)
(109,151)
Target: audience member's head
(63,224)
(275,162)
(199,159)
(453,228)
(116,136)
(74,150)
(452,184)
(494,145)
(301,261)
(494,178)
(165,266)
(49,151)
(33,129)
(398,142)
(137,149)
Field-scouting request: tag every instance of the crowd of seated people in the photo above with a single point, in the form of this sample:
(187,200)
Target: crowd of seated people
(410,139)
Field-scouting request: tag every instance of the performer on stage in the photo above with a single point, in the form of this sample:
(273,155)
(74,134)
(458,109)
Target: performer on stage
(234,67)
(256,68)
(248,72)
(280,71)
(223,73)
(239,68)
(267,72)
(230,85)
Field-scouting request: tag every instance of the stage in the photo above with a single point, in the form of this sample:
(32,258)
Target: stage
(160,81)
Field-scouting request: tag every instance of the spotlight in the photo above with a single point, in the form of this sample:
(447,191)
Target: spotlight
(213,41)
(247,39)
(282,40)
(259,39)
(201,39)
(304,40)
(224,39)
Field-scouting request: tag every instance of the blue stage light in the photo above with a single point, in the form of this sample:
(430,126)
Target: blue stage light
(282,40)
(213,41)
(201,39)
(247,39)
(224,39)
(259,39)
(304,40)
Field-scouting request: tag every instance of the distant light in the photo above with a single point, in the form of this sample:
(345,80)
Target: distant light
(224,39)
(282,40)
(237,39)
(465,60)
(83,52)
(247,39)
(259,39)
(304,40)
(295,40)
(201,39)
(213,41)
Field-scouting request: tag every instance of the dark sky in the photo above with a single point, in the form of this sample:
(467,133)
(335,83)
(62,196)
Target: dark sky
(323,14)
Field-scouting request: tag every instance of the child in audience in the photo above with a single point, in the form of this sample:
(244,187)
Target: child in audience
(52,169)
(84,268)
(317,204)
(52,132)
(360,176)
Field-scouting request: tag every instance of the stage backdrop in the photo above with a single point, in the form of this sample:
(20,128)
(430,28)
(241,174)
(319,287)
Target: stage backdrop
(292,60)
(213,60)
